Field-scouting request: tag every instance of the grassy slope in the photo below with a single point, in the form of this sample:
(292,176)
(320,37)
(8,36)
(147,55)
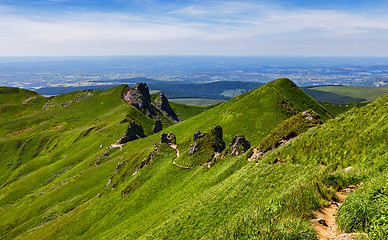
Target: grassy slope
(357,138)
(254,113)
(54,193)
(48,157)
(345,94)
(233,199)
(200,102)
(186,111)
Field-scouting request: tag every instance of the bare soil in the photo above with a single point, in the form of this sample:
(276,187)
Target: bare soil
(324,221)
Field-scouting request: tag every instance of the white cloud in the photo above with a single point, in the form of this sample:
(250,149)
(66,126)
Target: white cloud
(221,28)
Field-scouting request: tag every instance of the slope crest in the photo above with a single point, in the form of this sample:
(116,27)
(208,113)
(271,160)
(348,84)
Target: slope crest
(255,113)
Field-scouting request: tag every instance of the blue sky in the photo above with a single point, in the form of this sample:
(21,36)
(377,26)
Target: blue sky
(196,27)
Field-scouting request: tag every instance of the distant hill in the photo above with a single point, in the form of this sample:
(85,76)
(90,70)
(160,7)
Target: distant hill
(345,94)
(172,89)
(227,89)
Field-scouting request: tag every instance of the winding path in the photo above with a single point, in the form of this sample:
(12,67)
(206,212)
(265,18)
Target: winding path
(177,156)
(325,223)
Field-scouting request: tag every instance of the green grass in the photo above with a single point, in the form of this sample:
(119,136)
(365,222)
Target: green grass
(200,102)
(346,94)
(53,171)
(232,92)
(356,138)
(336,109)
(289,129)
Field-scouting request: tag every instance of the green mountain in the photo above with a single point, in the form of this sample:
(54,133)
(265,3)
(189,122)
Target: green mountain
(62,179)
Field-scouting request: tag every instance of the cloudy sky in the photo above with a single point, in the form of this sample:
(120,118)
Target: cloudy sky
(194,27)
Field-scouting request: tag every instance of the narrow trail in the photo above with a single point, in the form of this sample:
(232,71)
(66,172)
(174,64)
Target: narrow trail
(324,222)
(116,145)
(177,156)
(28,99)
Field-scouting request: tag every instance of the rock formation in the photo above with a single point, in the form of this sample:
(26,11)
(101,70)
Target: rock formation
(168,138)
(219,144)
(158,125)
(239,145)
(139,97)
(133,132)
(193,147)
(215,139)
(164,107)
(310,115)
(198,135)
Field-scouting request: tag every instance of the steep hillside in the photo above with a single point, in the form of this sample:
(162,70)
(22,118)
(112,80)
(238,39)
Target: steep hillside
(254,113)
(61,179)
(62,132)
(357,142)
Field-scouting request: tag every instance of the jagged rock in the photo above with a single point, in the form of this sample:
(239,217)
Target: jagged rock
(193,148)
(218,146)
(217,143)
(164,107)
(310,116)
(158,125)
(198,135)
(239,141)
(168,138)
(139,97)
(133,132)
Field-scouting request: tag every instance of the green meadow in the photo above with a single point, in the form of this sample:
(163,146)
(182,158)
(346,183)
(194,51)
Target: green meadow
(61,179)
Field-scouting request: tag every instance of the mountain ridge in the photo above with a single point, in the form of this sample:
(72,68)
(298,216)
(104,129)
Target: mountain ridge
(73,187)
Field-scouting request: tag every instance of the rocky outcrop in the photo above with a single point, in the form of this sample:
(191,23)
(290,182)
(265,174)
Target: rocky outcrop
(310,115)
(168,138)
(239,145)
(193,147)
(198,135)
(164,107)
(139,97)
(133,132)
(215,139)
(158,125)
(218,144)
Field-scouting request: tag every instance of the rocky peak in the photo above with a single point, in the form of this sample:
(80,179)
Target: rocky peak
(139,97)
(134,131)
(164,107)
